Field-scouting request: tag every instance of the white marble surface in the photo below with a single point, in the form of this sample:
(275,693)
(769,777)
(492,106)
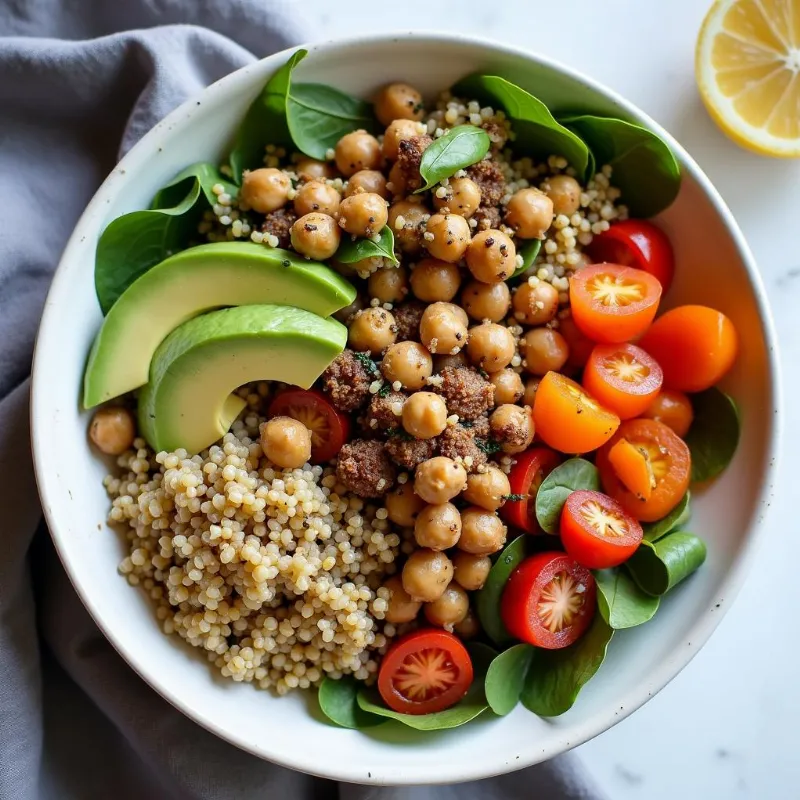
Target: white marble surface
(727,727)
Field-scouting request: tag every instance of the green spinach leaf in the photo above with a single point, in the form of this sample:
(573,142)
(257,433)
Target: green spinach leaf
(350,251)
(337,700)
(621,602)
(714,435)
(566,478)
(459,148)
(659,567)
(528,251)
(506,677)
(676,518)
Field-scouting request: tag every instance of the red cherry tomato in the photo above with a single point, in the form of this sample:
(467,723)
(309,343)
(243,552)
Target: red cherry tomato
(549,600)
(636,243)
(596,531)
(424,672)
(329,428)
(525,478)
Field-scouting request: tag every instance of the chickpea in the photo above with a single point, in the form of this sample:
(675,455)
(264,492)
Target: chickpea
(463,197)
(265,189)
(316,235)
(426,574)
(408,238)
(317,196)
(535,304)
(508,386)
(486,300)
(425,416)
(363,214)
(433,280)
(309,169)
(286,442)
(513,427)
(367,180)
(388,284)
(471,571)
(565,193)
(451,237)
(438,526)
(403,505)
(442,328)
(449,609)
(543,349)
(468,628)
(398,101)
(442,362)
(397,183)
(491,346)
(482,531)
(530,213)
(356,151)
(439,479)
(487,489)
(373,330)
(491,256)
(344,315)
(399,130)
(401,607)
(112,430)
(531,385)
(366,266)
(407,362)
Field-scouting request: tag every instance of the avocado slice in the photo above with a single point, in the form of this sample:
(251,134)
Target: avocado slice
(190,283)
(188,402)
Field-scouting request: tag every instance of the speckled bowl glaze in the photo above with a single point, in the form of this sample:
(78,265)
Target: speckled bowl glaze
(714,266)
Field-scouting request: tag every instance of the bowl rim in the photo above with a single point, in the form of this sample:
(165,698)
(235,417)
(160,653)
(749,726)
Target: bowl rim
(694,638)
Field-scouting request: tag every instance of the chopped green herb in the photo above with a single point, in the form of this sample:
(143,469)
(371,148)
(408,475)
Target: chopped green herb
(384,390)
(366,362)
(488,446)
(515,497)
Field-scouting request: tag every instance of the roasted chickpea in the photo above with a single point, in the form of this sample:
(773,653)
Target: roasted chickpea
(398,101)
(490,346)
(451,237)
(356,151)
(463,197)
(543,350)
(531,385)
(438,526)
(449,609)
(512,426)
(439,479)
(442,328)
(317,196)
(508,386)
(401,607)
(408,236)
(425,416)
(442,362)
(433,280)
(309,169)
(486,300)
(487,489)
(286,442)
(265,189)
(468,628)
(407,362)
(345,314)
(471,571)
(372,329)
(363,214)
(565,193)
(316,235)
(399,130)
(403,505)
(367,266)
(397,183)
(367,180)
(112,430)
(426,574)
(530,213)
(491,256)
(482,531)
(388,284)
(535,303)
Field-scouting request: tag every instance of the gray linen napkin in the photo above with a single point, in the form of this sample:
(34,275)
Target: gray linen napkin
(80,82)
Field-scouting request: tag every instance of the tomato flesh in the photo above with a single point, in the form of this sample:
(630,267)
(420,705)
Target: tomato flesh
(597,532)
(525,478)
(549,600)
(424,672)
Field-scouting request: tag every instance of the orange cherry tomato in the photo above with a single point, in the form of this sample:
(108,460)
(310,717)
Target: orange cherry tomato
(695,346)
(580,347)
(633,468)
(596,531)
(611,303)
(670,462)
(623,378)
(525,478)
(672,408)
(568,419)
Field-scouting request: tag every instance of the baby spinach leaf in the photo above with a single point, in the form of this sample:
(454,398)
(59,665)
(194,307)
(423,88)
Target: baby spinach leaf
(459,148)
(205,173)
(714,435)
(621,602)
(506,677)
(555,677)
(351,250)
(528,251)
(577,473)
(645,169)
(487,600)
(337,700)
(537,132)
(659,567)
(676,518)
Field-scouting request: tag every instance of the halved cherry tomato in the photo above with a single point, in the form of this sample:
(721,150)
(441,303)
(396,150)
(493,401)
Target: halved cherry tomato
(525,478)
(672,408)
(549,600)
(568,419)
(669,460)
(633,468)
(623,378)
(597,532)
(329,428)
(695,346)
(611,303)
(580,347)
(425,671)
(636,243)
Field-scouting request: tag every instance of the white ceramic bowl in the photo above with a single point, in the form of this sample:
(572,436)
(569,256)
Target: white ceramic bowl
(714,266)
